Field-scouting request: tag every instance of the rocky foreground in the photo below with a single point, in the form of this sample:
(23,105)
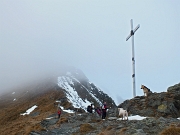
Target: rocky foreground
(161,110)
(91,124)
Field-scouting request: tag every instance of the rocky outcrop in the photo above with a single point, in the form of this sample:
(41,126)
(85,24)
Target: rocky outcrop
(165,104)
(92,124)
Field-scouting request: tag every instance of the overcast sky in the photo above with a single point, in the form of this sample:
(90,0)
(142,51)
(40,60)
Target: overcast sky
(39,36)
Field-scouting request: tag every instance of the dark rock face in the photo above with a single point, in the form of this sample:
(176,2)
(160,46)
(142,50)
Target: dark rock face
(86,90)
(166,104)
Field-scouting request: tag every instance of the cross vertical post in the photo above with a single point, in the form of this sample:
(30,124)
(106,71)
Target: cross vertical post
(133,58)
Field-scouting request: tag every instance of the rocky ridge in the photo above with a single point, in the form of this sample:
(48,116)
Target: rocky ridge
(91,124)
(164,104)
(160,109)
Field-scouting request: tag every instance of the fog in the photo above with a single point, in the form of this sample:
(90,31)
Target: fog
(38,38)
(22,74)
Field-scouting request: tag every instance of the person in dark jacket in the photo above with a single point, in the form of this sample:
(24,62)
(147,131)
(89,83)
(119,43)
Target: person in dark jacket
(104,109)
(90,108)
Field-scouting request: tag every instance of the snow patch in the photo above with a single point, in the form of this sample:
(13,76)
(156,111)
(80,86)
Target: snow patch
(135,117)
(71,94)
(68,111)
(30,110)
(57,101)
(49,118)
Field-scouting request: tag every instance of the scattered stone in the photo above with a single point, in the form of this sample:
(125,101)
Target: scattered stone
(112,118)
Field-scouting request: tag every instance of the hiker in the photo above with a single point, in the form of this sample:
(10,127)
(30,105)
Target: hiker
(104,108)
(59,112)
(90,108)
(98,110)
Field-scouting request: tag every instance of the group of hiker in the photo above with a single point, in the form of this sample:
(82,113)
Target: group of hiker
(101,111)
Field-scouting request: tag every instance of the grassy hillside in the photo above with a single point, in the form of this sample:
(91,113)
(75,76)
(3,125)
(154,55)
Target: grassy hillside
(11,122)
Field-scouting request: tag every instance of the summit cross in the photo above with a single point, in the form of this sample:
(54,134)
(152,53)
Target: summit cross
(133,59)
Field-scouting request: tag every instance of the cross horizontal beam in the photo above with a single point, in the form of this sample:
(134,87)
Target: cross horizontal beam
(132,32)
(137,27)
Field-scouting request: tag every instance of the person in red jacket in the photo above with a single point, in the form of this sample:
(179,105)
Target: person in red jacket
(104,108)
(59,113)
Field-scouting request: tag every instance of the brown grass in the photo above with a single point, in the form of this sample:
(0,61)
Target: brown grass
(86,128)
(172,130)
(11,122)
(93,120)
(109,128)
(122,131)
(61,121)
(109,131)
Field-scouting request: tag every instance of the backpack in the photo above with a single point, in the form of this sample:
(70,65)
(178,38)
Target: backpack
(103,107)
(89,108)
(98,111)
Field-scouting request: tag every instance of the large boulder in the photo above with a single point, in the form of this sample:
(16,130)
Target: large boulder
(166,104)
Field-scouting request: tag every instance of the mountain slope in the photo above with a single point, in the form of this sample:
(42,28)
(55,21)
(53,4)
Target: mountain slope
(71,90)
(82,92)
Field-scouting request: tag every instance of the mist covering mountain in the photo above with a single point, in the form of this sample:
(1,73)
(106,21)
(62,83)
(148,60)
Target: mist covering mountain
(81,92)
(70,89)
(77,89)
(73,92)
